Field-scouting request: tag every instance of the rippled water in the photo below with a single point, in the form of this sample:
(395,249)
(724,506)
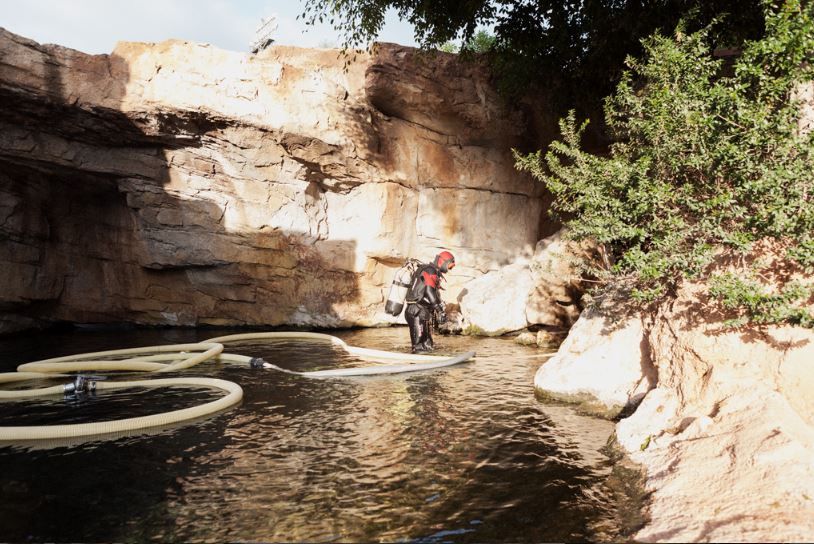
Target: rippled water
(461,454)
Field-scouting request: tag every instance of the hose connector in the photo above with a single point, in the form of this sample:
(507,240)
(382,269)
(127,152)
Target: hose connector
(257,362)
(82,385)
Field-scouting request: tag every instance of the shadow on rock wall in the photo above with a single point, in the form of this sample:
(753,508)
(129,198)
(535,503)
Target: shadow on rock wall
(99,223)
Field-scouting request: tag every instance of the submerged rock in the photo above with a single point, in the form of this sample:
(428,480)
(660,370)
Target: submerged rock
(526,339)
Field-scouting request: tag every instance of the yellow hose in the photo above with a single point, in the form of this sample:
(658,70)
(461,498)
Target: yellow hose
(40,432)
(429,361)
(208,349)
(181,356)
(27,393)
(221,357)
(80,366)
(8,377)
(359,352)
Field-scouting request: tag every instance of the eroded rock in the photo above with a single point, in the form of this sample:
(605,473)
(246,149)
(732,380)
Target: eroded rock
(540,289)
(604,365)
(728,431)
(725,431)
(175,183)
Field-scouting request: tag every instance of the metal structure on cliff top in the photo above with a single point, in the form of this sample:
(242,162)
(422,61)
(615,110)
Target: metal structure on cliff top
(262,36)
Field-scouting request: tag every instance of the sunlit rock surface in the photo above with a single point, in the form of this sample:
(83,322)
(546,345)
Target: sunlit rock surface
(727,433)
(603,364)
(176,183)
(557,286)
(539,289)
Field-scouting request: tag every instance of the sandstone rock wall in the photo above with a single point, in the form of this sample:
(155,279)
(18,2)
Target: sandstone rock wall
(541,290)
(604,365)
(725,430)
(175,183)
(728,433)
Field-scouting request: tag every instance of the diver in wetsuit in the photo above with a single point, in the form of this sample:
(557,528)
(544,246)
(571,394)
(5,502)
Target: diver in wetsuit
(424,298)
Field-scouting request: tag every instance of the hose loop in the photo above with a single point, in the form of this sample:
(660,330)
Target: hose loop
(175,357)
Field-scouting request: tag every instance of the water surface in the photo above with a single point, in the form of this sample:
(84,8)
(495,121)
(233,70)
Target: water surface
(460,454)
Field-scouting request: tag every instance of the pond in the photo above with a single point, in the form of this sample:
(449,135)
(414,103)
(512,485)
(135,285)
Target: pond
(459,454)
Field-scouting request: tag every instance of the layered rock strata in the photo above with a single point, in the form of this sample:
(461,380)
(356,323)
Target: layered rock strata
(179,184)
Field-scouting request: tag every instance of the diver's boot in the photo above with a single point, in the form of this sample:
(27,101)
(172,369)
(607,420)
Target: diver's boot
(426,333)
(415,334)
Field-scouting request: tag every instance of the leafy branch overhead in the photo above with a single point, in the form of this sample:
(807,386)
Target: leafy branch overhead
(709,155)
(572,49)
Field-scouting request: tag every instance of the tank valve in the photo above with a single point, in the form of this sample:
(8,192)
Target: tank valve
(82,385)
(257,362)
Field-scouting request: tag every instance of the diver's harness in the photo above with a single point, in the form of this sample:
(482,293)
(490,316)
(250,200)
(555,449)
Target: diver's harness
(437,314)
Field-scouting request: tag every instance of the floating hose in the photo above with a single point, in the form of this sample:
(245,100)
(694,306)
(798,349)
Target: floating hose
(181,356)
(39,432)
(207,349)
(8,377)
(433,361)
(377,370)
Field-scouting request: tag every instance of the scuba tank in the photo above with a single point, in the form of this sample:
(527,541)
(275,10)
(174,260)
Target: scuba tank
(401,284)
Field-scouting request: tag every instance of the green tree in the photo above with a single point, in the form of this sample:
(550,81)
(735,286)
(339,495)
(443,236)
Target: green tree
(575,49)
(448,47)
(480,43)
(707,156)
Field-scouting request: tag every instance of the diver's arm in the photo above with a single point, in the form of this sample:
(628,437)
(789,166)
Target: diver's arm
(434,298)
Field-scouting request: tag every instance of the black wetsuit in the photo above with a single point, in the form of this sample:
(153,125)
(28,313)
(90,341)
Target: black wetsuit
(423,299)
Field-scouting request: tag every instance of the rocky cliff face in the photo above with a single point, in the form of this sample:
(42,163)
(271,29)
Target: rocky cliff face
(179,184)
(727,434)
(725,424)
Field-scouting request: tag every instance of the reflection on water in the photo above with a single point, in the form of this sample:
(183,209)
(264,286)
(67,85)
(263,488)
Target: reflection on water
(461,454)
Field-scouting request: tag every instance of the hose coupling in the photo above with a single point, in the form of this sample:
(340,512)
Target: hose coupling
(257,362)
(82,385)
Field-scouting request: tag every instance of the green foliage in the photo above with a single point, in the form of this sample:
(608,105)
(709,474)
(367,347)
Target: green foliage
(803,253)
(573,50)
(707,156)
(750,297)
(448,47)
(481,42)
(473,330)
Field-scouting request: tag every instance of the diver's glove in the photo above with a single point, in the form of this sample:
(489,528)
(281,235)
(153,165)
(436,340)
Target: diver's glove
(441,315)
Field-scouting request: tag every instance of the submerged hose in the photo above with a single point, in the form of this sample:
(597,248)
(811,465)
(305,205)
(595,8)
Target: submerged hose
(182,356)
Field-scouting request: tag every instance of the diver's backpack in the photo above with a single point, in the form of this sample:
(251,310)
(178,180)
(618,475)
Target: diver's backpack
(401,284)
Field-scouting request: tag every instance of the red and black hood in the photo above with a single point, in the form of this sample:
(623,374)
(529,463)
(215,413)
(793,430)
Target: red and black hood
(444,262)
